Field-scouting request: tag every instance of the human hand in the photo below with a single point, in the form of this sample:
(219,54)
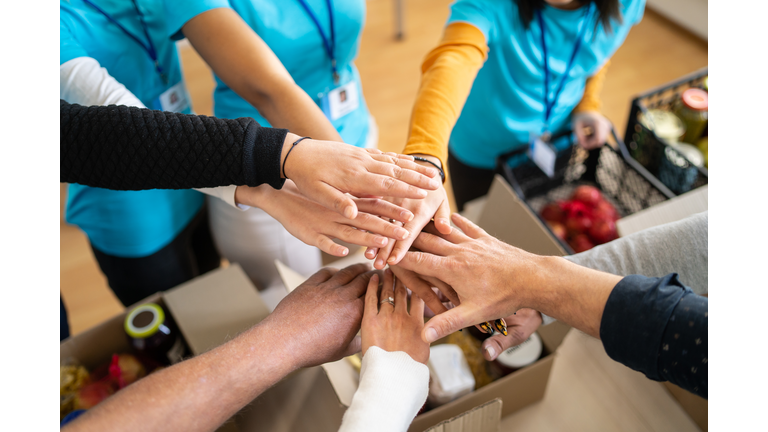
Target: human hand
(317,225)
(393,328)
(326,171)
(591,129)
(520,326)
(491,278)
(321,317)
(434,205)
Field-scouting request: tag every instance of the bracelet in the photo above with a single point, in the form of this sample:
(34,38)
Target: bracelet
(440,170)
(290,150)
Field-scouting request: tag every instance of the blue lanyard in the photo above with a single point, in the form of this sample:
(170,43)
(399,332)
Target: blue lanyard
(330,47)
(549,104)
(149,47)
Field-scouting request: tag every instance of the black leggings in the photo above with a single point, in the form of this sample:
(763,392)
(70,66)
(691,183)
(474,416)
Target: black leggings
(468,182)
(190,254)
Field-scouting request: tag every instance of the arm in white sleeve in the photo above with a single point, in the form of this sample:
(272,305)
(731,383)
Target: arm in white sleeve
(83,81)
(393,388)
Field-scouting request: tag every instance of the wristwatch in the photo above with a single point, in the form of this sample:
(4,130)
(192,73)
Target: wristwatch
(440,170)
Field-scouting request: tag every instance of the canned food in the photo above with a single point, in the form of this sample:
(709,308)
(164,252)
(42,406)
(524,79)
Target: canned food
(666,125)
(678,168)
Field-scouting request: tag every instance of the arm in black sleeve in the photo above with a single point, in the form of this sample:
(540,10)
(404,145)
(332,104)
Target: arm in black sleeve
(128,148)
(659,327)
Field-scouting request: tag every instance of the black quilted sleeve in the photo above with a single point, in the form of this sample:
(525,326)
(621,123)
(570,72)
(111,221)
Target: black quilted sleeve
(128,148)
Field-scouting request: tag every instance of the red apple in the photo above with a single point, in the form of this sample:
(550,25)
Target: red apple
(578,225)
(603,231)
(580,243)
(558,230)
(588,195)
(553,212)
(604,210)
(126,369)
(91,394)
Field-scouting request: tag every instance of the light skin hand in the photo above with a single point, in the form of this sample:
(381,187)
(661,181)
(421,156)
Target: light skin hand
(435,205)
(393,328)
(326,171)
(591,129)
(317,226)
(520,327)
(494,279)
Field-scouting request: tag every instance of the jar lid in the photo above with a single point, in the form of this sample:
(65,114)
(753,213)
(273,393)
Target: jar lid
(664,124)
(692,153)
(144,320)
(696,99)
(523,354)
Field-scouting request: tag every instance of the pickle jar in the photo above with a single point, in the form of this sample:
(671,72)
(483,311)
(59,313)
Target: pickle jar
(692,110)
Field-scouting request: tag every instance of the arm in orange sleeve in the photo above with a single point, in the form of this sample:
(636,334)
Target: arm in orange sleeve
(447,75)
(591,99)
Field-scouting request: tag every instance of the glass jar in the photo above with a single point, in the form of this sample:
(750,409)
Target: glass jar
(692,110)
(152,333)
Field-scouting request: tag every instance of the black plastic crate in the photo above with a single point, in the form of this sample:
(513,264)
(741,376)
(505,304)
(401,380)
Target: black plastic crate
(623,181)
(660,159)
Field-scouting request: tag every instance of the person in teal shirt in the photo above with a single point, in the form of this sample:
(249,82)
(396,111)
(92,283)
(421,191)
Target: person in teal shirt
(144,241)
(287,64)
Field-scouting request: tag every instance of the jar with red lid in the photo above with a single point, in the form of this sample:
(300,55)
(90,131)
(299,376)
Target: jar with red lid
(693,111)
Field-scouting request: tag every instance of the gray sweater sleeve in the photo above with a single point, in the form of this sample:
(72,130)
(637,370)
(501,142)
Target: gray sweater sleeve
(128,148)
(677,247)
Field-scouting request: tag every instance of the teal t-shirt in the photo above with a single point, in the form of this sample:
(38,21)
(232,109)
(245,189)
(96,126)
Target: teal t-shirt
(127,224)
(292,35)
(506,103)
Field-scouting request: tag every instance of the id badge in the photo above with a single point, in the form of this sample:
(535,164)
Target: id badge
(543,154)
(174,99)
(340,101)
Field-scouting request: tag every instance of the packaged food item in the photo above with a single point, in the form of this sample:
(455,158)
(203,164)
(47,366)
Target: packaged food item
(152,333)
(665,125)
(678,168)
(450,377)
(692,110)
(473,353)
(518,356)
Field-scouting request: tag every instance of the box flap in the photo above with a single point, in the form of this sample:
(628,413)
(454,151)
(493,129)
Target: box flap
(675,209)
(510,220)
(214,308)
(484,418)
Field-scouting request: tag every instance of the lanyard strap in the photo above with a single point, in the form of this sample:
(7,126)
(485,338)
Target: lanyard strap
(330,46)
(149,47)
(548,105)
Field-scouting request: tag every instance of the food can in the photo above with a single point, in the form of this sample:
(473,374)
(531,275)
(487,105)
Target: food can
(678,169)
(666,125)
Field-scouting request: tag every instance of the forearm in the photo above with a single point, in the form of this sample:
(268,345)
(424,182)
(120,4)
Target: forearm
(122,148)
(249,67)
(217,383)
(448,73)
(591,101)
(83,81)
(570,293)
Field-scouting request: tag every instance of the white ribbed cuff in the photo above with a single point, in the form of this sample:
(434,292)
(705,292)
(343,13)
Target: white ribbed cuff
(393,387)
(224,193)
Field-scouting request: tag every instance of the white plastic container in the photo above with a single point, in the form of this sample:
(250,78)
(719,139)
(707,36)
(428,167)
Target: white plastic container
(449,373)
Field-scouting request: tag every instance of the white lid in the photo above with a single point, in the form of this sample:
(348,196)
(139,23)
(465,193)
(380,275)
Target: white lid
(690,152)
(523,354)
(664,124)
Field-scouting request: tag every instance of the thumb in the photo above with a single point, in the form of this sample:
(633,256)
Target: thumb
(496,344)
(446,323)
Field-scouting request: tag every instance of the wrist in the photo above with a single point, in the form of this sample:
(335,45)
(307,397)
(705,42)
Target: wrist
(286,162)
(430,158)
(253,196)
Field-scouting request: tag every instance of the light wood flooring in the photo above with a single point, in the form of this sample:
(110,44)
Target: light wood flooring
(587,390)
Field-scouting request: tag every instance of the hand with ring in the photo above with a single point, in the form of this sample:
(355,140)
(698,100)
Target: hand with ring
(387,322)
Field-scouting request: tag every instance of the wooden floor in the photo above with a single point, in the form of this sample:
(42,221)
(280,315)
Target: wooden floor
(654,53)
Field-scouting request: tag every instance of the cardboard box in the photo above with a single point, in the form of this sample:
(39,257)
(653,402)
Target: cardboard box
(509,219)
(485,418)
(675,209)
(209,310)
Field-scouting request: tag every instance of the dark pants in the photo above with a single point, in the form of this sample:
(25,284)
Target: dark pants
(468,182)
(190,254)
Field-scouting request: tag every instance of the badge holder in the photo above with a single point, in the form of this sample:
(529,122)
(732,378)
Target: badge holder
(542,153)
(340,101)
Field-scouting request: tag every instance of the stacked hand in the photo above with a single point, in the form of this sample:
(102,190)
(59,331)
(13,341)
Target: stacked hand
(591,129)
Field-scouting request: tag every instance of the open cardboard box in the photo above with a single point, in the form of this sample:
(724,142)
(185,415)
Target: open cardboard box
(509,219)
(209,310)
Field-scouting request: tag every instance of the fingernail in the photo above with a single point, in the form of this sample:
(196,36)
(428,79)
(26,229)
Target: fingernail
(422,193)
(349,213)
(344,251)
(391,260)
(380,263)
(431,335)
(434,183)
(491,352)
(406,215)
(381,240)
(402,233)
